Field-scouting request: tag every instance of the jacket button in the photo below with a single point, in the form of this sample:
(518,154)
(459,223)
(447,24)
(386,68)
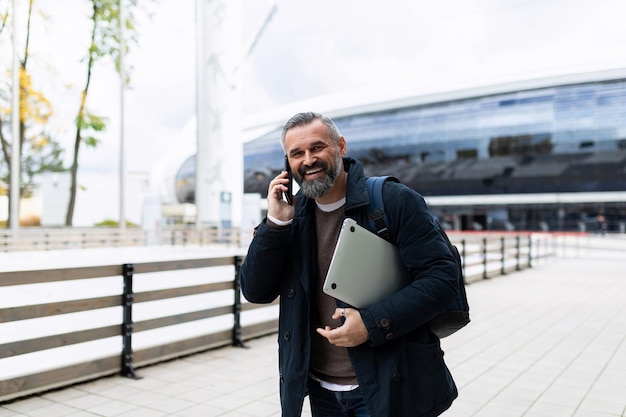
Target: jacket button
(389,336)
(291,293)
(287,335)
(384,323)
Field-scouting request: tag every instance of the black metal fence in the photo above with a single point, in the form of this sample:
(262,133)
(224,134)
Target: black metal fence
(484,256)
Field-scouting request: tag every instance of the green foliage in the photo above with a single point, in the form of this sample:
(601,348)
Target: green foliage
(105,43)
(106,37)
(114,223)
(39,151)
(91,141)
(44,159)
(89,122)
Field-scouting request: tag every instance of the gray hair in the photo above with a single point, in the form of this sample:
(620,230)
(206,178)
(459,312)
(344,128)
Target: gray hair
(303,119)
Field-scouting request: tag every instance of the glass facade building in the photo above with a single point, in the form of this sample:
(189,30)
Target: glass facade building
(571,119)
(563,138)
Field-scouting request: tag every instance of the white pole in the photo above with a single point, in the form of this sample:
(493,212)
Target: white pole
(122,174)
(219,158)
(15,147)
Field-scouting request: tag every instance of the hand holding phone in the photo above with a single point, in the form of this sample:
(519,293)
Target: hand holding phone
(289,193)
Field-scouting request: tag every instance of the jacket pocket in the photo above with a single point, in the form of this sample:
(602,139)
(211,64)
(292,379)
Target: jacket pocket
(423,377)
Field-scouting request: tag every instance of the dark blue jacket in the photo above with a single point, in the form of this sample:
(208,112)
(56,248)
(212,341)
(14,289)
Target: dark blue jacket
(400,369)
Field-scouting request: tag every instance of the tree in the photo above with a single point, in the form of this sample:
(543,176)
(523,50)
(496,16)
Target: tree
(43,153)
(38,150)
(105,42)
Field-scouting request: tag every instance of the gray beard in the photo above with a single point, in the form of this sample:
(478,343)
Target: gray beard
(321,186)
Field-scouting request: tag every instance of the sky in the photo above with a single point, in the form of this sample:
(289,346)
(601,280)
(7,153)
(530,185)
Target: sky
(308,49)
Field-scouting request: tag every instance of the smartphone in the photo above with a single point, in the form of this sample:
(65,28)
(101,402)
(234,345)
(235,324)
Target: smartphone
(289,193)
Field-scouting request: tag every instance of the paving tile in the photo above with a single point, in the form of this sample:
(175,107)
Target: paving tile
(490,410)
(168,389)
(53,410)
(170,405)
(257,409)
(86,401)
(587,413)
(228,402)
(565,395)
(28,405)
(199,395)
(63,395)
(112,408)
(142,412)
(551,410)
(201,410)
(613,406)
(463,408)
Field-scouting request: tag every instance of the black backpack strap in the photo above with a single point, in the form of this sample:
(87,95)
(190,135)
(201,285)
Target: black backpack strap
(376,214)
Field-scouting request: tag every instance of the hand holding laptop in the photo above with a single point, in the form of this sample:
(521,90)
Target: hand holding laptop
(352,333)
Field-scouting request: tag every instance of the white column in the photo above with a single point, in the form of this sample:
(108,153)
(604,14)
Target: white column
(122,166)
(14,210)
(219,158)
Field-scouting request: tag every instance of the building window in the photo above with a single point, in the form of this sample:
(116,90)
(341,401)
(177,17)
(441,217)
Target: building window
(587,144)
(520,145)
(467,154)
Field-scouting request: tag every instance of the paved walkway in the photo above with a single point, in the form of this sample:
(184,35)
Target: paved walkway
(545,342)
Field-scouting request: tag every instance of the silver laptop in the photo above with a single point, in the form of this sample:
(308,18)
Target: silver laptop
(365,268)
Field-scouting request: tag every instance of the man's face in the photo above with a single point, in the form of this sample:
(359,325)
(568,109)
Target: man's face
(315,160)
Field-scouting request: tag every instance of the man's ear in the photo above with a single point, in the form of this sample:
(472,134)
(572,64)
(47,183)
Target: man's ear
(342,146)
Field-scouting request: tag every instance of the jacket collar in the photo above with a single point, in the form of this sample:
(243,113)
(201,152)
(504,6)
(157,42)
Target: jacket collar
(356,193)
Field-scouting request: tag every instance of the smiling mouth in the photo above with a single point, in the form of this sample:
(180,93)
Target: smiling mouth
(313,171)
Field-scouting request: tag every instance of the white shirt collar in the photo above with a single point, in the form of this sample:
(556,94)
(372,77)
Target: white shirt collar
(327,208)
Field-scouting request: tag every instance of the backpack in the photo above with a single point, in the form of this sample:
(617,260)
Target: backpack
(456,315)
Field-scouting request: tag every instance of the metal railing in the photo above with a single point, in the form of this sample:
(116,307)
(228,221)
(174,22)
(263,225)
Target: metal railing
(484,256)
(36,238)
(488,255)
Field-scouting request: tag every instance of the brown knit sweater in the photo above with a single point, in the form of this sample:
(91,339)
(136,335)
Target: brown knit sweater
(328,362)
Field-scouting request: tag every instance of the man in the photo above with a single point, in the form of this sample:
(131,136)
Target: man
(381,361)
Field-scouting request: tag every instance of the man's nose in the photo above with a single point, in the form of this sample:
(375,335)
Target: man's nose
(309,158)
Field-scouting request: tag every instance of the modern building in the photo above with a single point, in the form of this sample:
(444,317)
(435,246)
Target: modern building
(546,153)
